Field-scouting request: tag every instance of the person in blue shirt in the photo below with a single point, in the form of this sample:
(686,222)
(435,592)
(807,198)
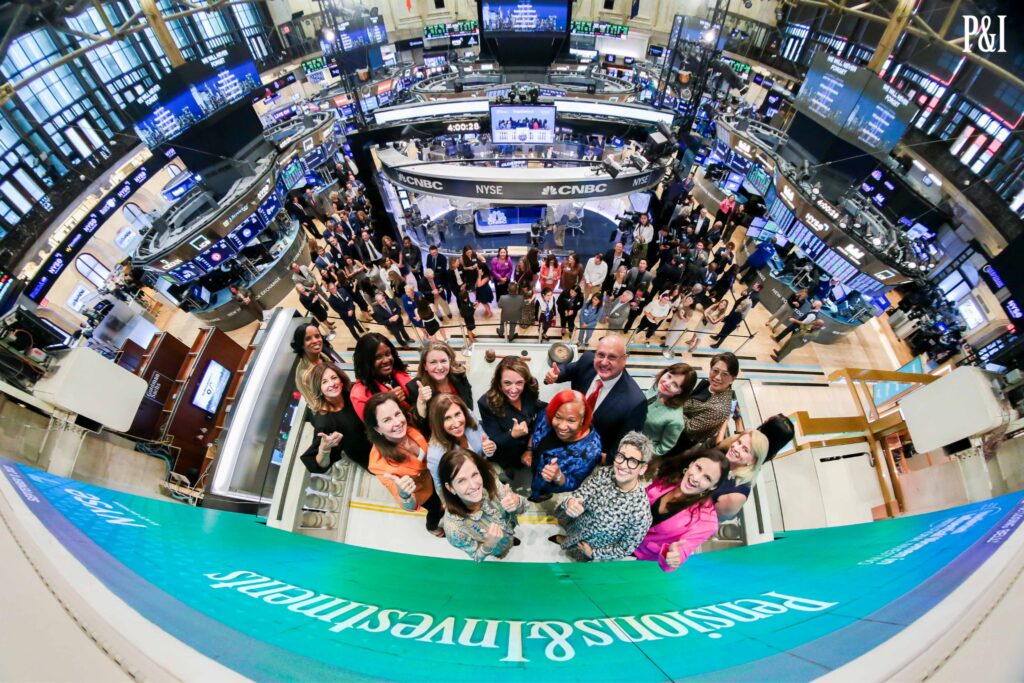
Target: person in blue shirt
(758,260)
(589,315)
(564,450)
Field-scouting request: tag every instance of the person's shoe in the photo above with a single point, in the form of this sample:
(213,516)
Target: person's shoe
(331,336)
(516,541)
(557,539)
(775,357)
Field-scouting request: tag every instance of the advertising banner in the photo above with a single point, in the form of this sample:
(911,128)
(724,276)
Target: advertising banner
(280,606)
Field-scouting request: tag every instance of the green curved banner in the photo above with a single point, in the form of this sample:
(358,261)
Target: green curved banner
(279,606)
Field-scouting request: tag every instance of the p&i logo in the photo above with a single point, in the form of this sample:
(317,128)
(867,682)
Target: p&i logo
(979,30)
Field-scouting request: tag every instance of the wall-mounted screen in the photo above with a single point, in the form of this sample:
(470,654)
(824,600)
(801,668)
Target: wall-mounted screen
(186,273)
(499,216)
(215,255)
(211,387)
(525,16)
(511,125)
(246,232)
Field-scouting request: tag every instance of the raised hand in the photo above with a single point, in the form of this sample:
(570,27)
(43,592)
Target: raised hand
(494,534)
(674,557)
(574,507)
(509,500)
(586,549)
(552,375)
(405,484)
(488,446)
(398,392)
(329,441)
(527,459)
(551,473)
(519,428)
(426,393)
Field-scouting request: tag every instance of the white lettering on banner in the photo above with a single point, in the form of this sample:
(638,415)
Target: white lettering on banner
(563,190)
(743,147)
(559,639)
(855,253)
(490,190)
(105,510)
(788,195)
(818,226)
(167,265)
(425,183)
(978,28)
(21,484)
(641,180)
(951,525)
(263,292)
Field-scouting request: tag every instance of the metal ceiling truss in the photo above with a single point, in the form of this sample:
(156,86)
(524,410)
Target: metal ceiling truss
(917,27)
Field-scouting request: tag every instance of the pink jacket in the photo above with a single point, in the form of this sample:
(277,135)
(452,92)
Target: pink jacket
(692,526)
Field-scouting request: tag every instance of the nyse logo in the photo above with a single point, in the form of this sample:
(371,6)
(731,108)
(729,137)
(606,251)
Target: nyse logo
(979,29)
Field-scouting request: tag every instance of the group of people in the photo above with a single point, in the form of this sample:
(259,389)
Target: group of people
(643,474)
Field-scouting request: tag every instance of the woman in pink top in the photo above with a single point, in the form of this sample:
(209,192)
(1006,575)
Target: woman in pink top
(683,514)
(501,270)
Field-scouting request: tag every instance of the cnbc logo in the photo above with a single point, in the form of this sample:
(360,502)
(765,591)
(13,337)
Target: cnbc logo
(571,190)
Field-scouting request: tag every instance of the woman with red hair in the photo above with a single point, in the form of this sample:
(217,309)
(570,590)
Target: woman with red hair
(564,449)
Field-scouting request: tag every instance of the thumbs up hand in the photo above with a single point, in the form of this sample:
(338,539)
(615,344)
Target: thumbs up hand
(551,473)
(510,501)
(493,535)
(426,393)
(519,428)
(405,484)
(488,446)
(552,375)
(574,507)
(674,558)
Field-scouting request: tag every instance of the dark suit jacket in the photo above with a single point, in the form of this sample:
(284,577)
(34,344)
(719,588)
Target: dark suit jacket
(381,316)
(623,410)
(609,258)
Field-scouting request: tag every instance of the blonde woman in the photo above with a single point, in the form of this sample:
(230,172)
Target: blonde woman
(746,453)
(709,318)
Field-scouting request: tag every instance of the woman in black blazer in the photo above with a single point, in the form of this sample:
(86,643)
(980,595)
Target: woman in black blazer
(339,431)
(439,373)
(508,412)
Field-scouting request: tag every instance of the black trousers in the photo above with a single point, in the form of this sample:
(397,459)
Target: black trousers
(435,511)
(648,327)
(398,329)
(353,325)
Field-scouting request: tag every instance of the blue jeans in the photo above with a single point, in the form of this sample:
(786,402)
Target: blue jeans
(585,332)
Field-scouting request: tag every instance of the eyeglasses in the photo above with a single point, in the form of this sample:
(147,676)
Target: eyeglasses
(631,463)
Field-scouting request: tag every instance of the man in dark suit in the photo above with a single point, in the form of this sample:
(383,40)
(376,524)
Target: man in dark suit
(618,404)
(389,314)
(297,211)
(438,262)
(615,257)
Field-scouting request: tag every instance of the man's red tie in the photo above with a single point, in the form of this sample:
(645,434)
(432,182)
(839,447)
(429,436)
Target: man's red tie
(592,399)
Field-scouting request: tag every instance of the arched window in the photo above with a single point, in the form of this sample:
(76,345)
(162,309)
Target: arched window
(92,270)
(173,170)
(136,216)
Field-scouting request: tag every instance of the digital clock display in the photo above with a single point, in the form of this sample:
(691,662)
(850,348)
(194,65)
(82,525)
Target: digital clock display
(316,64)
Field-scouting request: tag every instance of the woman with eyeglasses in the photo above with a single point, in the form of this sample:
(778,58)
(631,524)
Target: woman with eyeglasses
(683,516)
(608,516)
(710,404)
(665,421)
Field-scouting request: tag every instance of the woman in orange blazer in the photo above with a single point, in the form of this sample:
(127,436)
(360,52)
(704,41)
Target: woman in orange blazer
(399,458)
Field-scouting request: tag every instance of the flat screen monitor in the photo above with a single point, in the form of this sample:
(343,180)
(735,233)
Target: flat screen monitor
(640,201)
(610,59)
(521,125)
(628,60)
(525,16)
(498,216)
(435,62)
(246,232)
(186,273)
(211,387)
(213,257)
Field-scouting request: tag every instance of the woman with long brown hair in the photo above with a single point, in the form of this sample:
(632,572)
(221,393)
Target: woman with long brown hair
(681,508)
(665,421)
(398,458)
(509,410)
(338,429)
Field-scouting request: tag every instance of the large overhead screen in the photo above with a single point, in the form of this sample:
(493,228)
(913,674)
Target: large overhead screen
(855,104)
(525,16)
(523,125)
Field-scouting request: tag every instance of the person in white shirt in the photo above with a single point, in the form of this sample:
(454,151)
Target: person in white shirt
(643,233)
(655,312)
(594,275)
